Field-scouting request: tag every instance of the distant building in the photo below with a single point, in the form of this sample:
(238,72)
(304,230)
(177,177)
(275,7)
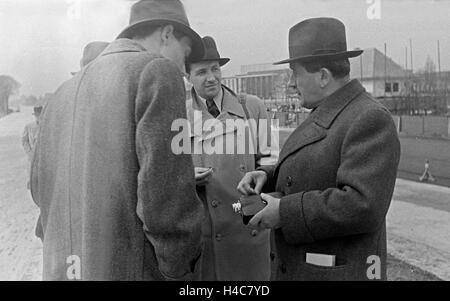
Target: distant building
(381,77)
(379,74)
(266,81)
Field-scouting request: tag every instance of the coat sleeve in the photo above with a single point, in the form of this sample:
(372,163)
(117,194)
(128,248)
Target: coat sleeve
(167,201)
(365,182)
(270,184)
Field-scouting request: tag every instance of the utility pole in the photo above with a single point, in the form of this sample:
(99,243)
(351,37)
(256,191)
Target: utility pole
(385,68)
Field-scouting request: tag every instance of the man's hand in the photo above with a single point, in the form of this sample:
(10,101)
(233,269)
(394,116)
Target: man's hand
(269,217)
(252,182)
(202,175)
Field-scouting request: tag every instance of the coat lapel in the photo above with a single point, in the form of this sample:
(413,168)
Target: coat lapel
(304,135)
(315,127)
(198,114)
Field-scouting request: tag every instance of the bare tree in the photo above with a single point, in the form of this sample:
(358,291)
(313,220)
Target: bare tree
(429,72)
(8,86)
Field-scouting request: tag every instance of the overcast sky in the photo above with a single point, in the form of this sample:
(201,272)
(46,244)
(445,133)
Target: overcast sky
(42,40)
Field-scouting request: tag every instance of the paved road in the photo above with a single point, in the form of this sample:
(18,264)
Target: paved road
(418,220)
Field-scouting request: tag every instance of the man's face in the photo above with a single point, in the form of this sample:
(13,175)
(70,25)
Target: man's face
(178,50)
(37,117)
(206,77)
(307,85)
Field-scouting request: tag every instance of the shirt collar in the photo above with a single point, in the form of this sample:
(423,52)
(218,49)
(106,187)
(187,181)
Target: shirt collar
(217,99)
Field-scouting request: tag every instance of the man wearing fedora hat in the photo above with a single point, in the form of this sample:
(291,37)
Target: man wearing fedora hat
(232,252)
(116,203)
(90,52)
(337,170)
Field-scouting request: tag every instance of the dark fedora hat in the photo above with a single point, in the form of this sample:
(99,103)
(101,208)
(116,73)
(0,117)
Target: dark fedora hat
(211,53)
(318,39)
(154,12)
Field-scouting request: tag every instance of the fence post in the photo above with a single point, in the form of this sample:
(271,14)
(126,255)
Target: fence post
(448,126)
(423,125)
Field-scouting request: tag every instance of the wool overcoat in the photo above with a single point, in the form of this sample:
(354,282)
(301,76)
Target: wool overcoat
(337,171)
(115,201)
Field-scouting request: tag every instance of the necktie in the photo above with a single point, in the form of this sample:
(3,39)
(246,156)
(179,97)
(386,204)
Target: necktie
(212,108)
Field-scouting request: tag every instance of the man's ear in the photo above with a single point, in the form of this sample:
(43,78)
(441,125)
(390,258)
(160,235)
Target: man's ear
(166,32)
(325,77)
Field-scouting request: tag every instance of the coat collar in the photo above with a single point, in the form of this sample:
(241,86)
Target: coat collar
(123,45)
(314,128)
(230,104)
(231,109)
(331,106)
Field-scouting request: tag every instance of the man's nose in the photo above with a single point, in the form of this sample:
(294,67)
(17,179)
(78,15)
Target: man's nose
(210,77)
(291,83)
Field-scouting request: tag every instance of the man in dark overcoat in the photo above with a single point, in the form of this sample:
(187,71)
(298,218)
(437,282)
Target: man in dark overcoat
(116,203)
(337,170)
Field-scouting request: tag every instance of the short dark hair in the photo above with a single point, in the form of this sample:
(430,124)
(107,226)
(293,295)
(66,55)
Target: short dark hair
(141,32)
(339,68)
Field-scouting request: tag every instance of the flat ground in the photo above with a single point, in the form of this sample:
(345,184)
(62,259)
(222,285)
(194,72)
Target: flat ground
(418,221)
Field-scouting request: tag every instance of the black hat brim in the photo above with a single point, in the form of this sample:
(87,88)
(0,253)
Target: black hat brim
(323,57)
(222,61)
(198,50)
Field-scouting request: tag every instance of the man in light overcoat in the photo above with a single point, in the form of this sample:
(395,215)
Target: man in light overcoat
(232,251)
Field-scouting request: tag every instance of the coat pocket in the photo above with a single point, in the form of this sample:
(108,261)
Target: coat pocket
(311,272)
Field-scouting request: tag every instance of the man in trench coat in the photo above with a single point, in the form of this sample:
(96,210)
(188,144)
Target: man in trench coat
(231,250)
(337,170)
(116,203)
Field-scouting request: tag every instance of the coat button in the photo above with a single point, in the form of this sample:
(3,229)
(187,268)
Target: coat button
(218,237)
(242,168)
(214,203)
(289,181)
(272,256)
(283,268)
(254,232)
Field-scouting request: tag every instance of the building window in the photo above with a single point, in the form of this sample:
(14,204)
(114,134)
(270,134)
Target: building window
(395,87)
(392,87)
(387,88)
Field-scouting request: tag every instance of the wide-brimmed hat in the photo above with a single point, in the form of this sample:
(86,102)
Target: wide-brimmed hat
(154,12)
(211,53)
(318,39)
(91,52)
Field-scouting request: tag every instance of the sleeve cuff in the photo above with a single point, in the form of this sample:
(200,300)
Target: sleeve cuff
(270,183)
(293,221)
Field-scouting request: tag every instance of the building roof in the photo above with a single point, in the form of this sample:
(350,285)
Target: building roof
(257,68)
(373,66)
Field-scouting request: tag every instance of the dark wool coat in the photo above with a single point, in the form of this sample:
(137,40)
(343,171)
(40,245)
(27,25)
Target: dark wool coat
(104,165)
(337,171)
